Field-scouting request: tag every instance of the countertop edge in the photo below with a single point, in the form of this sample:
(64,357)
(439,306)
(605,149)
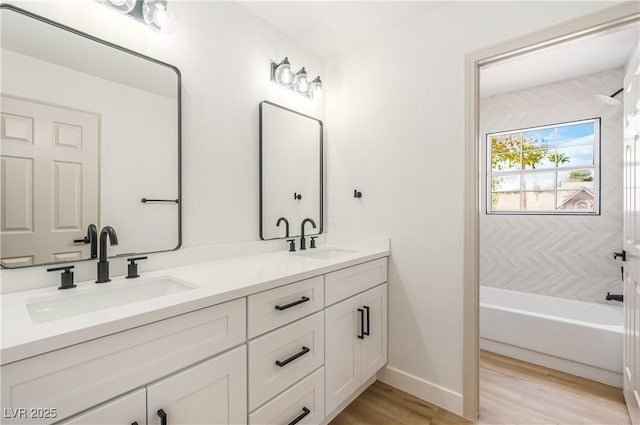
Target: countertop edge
(40,346)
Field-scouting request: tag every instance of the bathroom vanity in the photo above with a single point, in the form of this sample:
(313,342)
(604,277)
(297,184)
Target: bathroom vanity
(271,338)
(277,338)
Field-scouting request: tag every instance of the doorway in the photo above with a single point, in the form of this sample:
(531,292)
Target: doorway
(479,197)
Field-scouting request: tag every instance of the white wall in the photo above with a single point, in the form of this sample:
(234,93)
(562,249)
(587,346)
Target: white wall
(133,123)
(224,53)
(395,125)
(395,130)
(563,256)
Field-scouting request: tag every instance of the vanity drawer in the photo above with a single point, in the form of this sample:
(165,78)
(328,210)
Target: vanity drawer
(127,409)
(298,348)
(304,398)
(276,307)
(80,376)
(342,284)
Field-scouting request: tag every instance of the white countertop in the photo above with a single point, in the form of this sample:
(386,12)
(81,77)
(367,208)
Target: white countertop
(217,281)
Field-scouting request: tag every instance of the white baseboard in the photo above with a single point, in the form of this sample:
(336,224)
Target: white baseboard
(425,390)
(585,371)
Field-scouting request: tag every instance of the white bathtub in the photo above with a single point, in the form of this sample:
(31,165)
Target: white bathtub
(576,337)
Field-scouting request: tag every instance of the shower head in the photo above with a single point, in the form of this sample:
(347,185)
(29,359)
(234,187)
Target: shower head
(611,99)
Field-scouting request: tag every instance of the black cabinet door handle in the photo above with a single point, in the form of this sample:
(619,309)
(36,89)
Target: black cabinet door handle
(366,333)
(300,417)
(361,311)
(293,304)
(163,417)
(285,362)
(135,423)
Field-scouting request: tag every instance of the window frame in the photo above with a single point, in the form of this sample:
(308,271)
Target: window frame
(596,167)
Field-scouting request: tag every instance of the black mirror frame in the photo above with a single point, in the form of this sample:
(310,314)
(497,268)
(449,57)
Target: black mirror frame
(178,98)
(321,218)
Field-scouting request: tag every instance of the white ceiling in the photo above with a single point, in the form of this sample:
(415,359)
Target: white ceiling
(584,56)
(329,27)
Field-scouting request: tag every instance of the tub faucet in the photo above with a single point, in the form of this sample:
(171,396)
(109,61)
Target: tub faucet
(614,297)
(303,242)
(103,263)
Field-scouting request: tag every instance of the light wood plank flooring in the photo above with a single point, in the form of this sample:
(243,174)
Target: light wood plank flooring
(511,392)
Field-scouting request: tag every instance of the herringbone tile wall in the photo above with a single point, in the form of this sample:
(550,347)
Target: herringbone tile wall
(564,256)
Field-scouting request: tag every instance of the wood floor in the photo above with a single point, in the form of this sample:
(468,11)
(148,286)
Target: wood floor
(511,392)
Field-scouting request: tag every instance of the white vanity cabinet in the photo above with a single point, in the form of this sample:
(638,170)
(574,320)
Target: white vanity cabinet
(211,392)
(128,409)
(291,354)
(356,330)
(79,377)
(286,378)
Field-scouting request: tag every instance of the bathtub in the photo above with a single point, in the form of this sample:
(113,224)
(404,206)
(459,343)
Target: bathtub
(576,337)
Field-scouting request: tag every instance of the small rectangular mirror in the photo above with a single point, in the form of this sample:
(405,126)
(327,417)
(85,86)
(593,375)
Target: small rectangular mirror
(291,158)
(90,134)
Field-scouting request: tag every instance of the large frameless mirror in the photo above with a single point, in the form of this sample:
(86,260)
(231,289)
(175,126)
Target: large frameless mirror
(290,172)
(90,136)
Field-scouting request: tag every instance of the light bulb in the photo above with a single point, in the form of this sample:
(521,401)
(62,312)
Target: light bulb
(316,88)
(283,74)
(124,6)
(301,84)
(158,16)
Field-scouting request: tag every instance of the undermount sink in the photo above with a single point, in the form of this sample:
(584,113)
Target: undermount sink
(102,297)
(324,253)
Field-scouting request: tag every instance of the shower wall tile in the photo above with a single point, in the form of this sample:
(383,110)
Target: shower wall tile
(563,256)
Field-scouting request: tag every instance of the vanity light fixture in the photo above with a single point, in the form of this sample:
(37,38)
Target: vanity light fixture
(316,88)
(124,6)
(156,14)
(299,82)
(281,72)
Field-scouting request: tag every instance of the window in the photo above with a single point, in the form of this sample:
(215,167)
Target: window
(546,170)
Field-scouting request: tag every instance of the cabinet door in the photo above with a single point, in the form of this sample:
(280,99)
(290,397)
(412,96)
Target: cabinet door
(342,352)
(124,410)
(211,392)
(373,352)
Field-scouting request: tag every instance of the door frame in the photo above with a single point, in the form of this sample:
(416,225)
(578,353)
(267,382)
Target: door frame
(594,23)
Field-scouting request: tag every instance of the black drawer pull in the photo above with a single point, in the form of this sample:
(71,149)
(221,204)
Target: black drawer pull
(366,333)
(163,417)
(293,304)
(300,417)
(361,311)
(135,423)
(282,363)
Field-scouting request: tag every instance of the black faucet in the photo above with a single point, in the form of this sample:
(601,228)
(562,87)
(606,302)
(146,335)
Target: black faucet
(614,297)
(303,242)
(286,222)
(103,264)
(92,238)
